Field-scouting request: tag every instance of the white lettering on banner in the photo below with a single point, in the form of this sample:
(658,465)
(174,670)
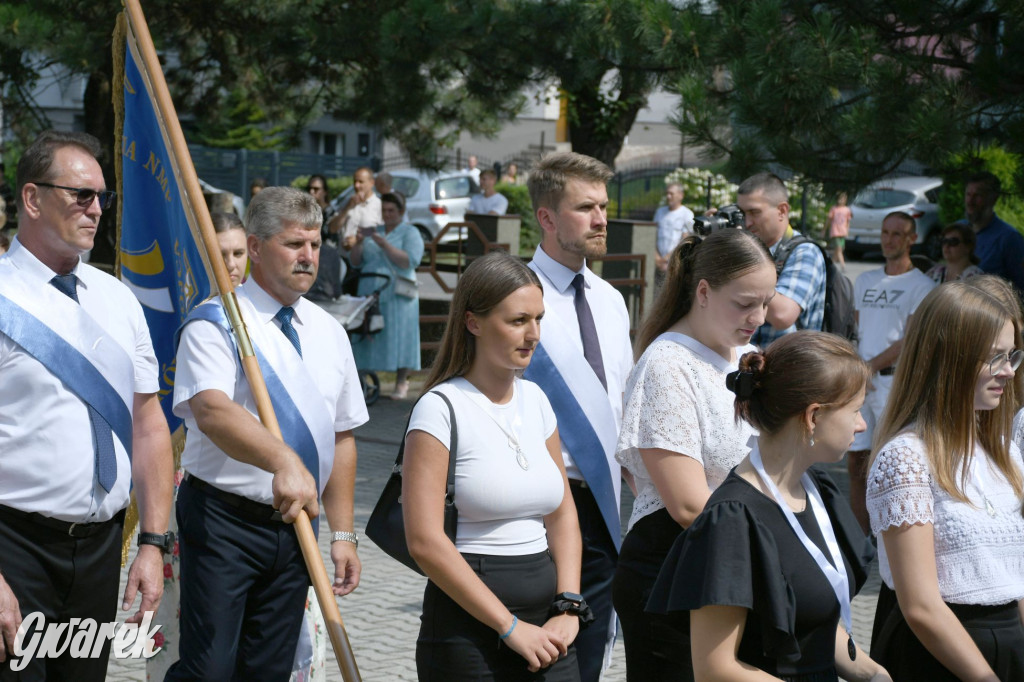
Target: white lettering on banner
(80,638)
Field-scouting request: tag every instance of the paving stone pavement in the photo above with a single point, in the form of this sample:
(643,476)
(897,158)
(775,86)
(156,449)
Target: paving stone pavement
(382,615)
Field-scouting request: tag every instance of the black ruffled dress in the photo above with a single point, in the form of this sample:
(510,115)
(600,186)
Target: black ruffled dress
(741,551)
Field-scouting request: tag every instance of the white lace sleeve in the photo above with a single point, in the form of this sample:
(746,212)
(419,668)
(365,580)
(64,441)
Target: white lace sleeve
(899,486)
(661,407)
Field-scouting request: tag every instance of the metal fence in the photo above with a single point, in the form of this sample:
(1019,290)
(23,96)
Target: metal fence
(233,170)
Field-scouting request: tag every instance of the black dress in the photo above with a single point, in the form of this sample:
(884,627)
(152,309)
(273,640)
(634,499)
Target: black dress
(741,551)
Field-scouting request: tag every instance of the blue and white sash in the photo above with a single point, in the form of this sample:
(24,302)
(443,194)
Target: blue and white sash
(586,423)
(306,425)
(65,339)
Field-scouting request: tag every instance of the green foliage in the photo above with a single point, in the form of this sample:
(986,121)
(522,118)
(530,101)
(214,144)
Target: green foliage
(519,204)
(1005,165)
(844,92)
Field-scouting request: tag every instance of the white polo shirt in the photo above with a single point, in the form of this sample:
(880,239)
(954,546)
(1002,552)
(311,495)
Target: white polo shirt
(207,360)
(47,456)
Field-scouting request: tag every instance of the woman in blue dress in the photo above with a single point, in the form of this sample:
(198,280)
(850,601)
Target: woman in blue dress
(394,249)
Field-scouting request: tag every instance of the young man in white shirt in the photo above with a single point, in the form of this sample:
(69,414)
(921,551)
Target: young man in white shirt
(885,300)
(489,201)
(582,363)
(675,221)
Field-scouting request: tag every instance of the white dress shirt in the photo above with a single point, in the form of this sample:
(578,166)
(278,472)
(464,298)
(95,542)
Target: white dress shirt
(366,214)
(610,318)
(47,456)
(207,361)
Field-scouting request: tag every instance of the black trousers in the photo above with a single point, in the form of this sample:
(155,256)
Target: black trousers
(996,630)
(61,577)
(655,648)
(243,592)
(598,569)
(453,645)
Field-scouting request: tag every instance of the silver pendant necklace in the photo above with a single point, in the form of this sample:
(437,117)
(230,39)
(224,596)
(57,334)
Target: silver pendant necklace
(512,438)
(980,486)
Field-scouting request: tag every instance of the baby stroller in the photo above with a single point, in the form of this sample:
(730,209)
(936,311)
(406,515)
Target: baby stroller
(360,315)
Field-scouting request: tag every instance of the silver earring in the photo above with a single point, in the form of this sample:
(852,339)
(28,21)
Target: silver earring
(812,439)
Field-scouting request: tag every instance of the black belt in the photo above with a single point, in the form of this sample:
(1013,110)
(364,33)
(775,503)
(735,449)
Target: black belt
(887,372)
(262,512)
(72,529)
(578,483)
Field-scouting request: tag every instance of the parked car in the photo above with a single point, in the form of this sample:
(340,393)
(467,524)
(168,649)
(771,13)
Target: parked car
(917,196)
(432,200)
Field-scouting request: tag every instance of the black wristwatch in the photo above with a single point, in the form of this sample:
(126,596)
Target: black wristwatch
(570,602)
(165,542)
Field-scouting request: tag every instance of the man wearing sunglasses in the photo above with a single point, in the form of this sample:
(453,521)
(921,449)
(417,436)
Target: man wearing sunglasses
(885,299)
(80,423)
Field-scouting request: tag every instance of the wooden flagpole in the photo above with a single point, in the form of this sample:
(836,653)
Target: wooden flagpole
(303,528)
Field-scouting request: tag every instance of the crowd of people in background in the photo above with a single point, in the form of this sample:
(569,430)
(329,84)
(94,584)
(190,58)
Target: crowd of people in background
(741,555)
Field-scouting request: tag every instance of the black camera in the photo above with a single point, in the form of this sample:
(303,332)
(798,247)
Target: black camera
(727,216)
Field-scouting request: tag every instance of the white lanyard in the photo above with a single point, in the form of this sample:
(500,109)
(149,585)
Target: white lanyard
(834,572)
(510,430)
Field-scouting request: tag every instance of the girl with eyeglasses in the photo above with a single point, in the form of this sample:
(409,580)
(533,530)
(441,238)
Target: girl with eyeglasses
(944,496)
(959,261)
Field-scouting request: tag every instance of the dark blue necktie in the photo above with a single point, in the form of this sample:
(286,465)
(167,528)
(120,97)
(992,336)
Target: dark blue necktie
(588,330)
(284,316)
(103,436)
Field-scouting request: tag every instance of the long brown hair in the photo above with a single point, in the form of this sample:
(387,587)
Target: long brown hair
(995,285)
(947,344)
(719,258)
(485,283)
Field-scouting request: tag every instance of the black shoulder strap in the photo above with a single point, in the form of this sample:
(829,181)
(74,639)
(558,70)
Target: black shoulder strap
(787,247)
(453,447)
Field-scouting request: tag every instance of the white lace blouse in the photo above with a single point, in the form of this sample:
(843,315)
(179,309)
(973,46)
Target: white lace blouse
(979,552)
(676,400)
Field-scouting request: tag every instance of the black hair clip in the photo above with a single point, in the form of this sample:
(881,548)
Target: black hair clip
(741,383)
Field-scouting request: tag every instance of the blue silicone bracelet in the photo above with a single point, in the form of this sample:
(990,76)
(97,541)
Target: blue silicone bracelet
(515,621)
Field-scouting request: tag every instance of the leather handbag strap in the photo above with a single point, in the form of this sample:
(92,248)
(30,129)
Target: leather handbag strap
(453,447)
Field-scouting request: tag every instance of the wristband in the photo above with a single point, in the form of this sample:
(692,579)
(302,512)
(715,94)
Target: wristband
(515,621)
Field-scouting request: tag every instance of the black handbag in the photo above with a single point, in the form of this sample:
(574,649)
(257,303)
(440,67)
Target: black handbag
(386,526)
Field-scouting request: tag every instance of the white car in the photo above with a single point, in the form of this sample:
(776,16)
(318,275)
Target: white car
(432,200)
(916,196)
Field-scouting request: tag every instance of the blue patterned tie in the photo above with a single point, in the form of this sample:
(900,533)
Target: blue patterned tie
(588,330)
(103,436)
(284,316)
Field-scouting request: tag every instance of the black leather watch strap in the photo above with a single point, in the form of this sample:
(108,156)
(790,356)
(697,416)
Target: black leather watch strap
(164,541)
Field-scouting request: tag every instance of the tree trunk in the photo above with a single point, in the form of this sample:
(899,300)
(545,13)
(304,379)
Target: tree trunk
(597,126)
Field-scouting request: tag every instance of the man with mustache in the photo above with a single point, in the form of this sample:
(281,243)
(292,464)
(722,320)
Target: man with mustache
(243,580)
(582,363)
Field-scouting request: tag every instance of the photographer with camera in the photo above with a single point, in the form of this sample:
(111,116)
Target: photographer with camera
(799,301)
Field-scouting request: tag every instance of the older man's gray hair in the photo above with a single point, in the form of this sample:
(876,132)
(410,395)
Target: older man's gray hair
(271,208)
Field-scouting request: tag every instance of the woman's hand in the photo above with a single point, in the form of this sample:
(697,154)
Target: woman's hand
(566,626)
(539,646)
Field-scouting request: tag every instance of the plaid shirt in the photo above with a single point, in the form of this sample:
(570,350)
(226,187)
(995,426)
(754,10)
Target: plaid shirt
(803,281)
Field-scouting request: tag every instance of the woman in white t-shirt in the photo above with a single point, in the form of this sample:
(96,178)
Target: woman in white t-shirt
(944,496)
(503,601)
(679,436)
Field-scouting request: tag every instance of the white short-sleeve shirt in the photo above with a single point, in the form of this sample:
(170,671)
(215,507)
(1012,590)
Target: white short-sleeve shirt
(501,505)
(207,360)
(884,303)
(676,400)
(497,202)
(47,456)
(979,557)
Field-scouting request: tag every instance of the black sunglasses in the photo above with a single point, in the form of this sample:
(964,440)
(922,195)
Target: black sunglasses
(951,241)
(84,196)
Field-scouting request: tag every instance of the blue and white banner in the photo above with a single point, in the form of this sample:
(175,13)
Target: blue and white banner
(160,258)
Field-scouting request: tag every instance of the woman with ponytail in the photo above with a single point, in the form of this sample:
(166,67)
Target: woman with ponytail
(679,438)
(765,574)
